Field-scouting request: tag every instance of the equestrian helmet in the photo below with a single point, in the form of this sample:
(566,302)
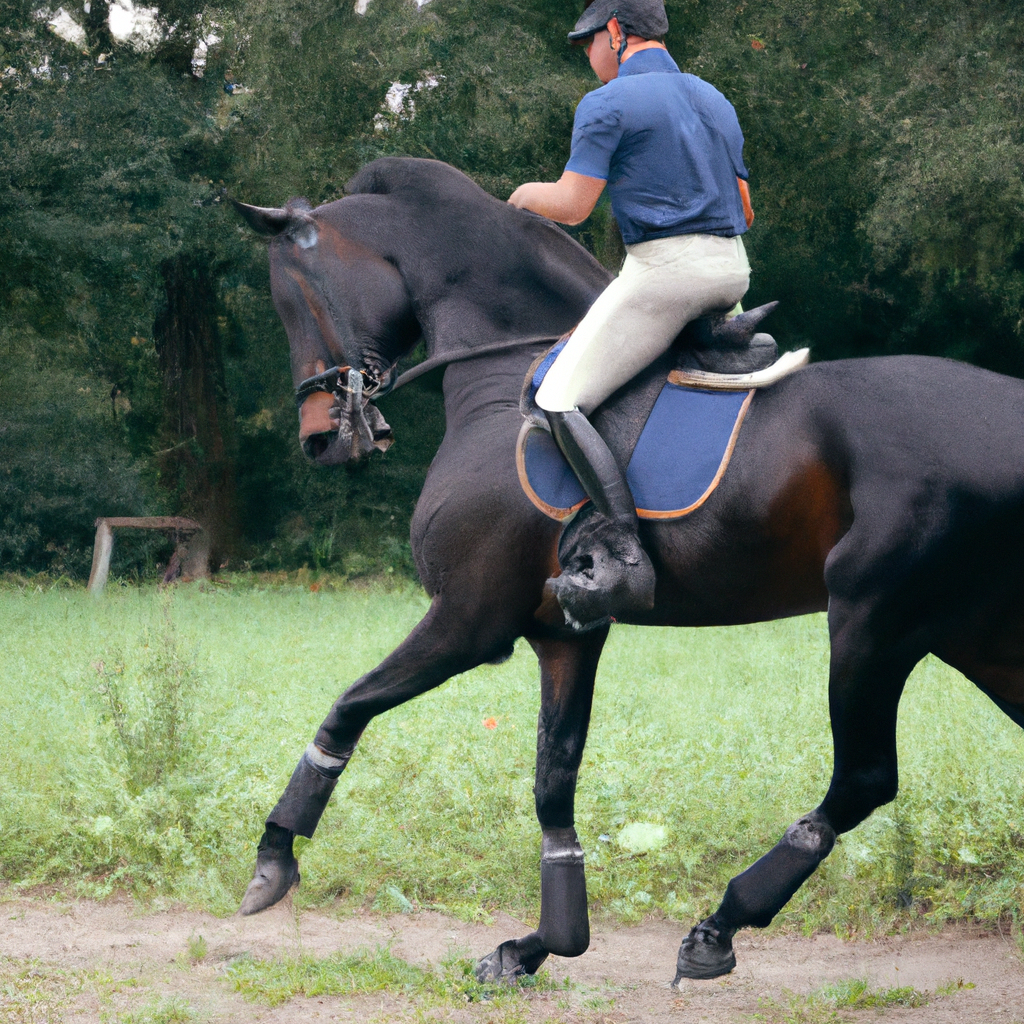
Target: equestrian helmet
(644,18)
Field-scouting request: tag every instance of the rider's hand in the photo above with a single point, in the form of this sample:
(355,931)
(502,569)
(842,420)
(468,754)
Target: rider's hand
(522,195)
(569,200)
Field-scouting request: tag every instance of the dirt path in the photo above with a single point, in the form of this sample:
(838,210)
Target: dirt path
(106,962)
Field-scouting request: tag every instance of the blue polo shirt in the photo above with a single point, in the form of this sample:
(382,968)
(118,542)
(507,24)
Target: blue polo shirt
(670,147)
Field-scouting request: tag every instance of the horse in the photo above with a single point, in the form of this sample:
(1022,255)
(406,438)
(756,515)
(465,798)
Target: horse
(888,491)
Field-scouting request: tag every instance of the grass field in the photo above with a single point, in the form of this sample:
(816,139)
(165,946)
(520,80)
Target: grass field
(146,735)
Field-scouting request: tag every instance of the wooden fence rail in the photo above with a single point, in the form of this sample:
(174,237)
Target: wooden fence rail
(182,529)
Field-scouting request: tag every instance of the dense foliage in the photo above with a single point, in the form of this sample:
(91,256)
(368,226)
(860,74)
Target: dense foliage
(884,138)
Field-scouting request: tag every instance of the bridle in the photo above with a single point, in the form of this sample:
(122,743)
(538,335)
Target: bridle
(341,380)
(369,386)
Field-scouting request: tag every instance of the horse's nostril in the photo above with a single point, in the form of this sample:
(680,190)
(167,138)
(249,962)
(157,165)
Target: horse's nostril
(316,444)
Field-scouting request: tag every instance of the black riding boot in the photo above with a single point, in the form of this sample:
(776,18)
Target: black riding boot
(605,572)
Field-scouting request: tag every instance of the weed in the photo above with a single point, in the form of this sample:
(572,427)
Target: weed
(948,988)
(822,1006)
(274,981)
(150,711)
(856,994)
(197,948)
(172,1010)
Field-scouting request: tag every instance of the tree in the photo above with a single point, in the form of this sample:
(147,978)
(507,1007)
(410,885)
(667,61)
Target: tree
(884,139)
(114,238)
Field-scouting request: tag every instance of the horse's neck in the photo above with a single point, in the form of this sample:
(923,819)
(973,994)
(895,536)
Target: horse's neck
(482,396)
(522,278)
(479,389)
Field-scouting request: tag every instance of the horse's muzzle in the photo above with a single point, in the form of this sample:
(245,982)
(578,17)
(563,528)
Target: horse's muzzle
(342,427)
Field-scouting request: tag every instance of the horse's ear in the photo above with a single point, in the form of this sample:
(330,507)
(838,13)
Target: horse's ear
(294,220)
(267,220)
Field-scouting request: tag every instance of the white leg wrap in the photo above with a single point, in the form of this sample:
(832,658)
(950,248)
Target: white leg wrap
(325,762)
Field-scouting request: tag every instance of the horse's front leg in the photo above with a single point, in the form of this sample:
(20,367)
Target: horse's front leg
(448,640)
(568,668)
(866,680)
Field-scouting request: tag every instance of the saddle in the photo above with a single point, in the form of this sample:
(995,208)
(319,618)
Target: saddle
(674,427)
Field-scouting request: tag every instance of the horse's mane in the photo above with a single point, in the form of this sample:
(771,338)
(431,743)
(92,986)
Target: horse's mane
(432,184)
(497,270)
(415,177)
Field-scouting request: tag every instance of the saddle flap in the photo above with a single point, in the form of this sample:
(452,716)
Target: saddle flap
(679,460)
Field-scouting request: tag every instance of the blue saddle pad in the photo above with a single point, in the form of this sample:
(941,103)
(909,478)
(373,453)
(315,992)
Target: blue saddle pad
(682,453)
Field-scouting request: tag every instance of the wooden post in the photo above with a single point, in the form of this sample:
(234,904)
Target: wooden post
(101,552)
(104,545)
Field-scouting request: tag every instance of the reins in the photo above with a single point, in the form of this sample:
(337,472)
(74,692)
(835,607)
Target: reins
(340,379)
(458,357)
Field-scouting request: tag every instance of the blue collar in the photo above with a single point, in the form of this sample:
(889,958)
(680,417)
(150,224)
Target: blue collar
(648,61)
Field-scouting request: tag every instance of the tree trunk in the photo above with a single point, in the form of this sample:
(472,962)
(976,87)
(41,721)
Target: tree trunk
(197,461)
(97,27)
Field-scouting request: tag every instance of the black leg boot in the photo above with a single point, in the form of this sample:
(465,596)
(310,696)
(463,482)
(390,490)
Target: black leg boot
(297,813)
(605,572)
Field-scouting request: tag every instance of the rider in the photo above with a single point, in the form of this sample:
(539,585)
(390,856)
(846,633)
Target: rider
(671,150)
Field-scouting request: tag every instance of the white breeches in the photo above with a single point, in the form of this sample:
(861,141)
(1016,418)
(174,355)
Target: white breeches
(664,284)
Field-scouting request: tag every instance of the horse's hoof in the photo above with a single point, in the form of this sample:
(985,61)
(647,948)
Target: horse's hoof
(276,873)
(508,963)
(705,953)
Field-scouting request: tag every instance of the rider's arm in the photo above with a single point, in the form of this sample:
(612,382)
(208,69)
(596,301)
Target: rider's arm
(570,200)
(748,210)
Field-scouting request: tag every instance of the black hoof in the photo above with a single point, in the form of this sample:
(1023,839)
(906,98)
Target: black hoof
(511,961)
(705,953)
(276,873)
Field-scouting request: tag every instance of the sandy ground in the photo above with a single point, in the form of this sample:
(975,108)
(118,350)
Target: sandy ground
(107,962)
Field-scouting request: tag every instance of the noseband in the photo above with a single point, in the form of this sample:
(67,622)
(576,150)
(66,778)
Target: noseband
(342,380)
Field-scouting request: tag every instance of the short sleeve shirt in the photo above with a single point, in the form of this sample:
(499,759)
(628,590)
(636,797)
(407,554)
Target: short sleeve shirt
(670,147)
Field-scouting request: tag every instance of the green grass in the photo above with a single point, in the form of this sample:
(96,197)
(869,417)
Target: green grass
(146,736)
(273,982)
(826,1004)
(36,992)
(164,1010)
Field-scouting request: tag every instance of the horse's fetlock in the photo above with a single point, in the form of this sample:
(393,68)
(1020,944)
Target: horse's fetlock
(304,799)
(276,840)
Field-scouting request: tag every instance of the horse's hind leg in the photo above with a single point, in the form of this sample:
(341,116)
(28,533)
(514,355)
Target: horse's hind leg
(866,679)
(568,668)
(447,641)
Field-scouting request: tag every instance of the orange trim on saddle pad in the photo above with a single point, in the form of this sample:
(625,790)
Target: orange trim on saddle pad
(524,481)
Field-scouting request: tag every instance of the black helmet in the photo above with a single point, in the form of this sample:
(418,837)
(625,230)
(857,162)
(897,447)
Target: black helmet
(645,18)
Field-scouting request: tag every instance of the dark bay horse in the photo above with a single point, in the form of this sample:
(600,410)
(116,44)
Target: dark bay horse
(888,491)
